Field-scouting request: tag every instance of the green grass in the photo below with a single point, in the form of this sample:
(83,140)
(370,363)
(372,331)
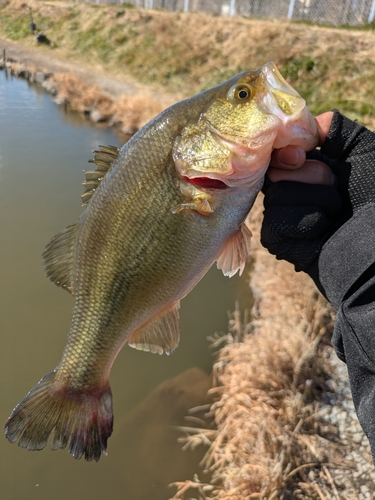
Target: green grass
(15,28)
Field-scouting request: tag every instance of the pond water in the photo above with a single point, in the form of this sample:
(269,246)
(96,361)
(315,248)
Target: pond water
(42,154)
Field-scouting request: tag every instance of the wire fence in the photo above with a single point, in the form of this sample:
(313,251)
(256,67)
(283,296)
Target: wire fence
(335,12)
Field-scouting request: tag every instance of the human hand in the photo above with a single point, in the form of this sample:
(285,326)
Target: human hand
(308,197)
(300,212)
(346,160)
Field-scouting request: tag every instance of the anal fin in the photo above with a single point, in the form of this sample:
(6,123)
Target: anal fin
(160,334)
(235,252)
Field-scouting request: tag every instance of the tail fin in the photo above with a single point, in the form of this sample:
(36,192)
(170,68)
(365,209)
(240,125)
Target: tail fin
(81,420)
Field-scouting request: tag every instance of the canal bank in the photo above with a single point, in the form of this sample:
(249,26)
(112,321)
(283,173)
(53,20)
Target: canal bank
(118,104)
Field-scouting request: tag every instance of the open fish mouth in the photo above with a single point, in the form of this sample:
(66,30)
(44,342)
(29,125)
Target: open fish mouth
(283,101)
(286,100)
(207,182)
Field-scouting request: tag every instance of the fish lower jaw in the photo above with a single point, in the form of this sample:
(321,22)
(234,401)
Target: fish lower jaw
(299,130)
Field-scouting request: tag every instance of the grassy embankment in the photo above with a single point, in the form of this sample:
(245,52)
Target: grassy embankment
(268,441)
(185,53)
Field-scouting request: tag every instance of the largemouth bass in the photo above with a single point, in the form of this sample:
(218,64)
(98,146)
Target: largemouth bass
(160,211)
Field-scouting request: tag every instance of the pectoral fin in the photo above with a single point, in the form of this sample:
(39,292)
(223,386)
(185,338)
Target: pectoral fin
(201,206)
(235,252)
(161,334)
(196,199)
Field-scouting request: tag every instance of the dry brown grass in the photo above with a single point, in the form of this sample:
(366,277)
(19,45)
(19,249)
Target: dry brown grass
(267,442)
(80,95)
(129,112)
(134,111)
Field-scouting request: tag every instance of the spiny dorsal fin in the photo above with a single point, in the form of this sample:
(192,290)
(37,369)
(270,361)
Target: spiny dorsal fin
(104,158)
(161,334)
(58,257)
(235,252)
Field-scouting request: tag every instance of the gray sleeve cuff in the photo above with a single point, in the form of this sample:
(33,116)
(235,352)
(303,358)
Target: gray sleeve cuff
(347,255)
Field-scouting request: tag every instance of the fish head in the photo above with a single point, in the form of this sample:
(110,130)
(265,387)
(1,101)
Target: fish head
(243,120)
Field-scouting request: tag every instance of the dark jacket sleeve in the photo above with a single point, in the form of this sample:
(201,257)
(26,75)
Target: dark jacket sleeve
(346,268)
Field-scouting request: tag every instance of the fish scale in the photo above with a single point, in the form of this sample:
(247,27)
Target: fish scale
(160,211)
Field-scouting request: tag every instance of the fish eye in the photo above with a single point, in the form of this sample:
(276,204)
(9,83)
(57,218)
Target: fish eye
(240,93)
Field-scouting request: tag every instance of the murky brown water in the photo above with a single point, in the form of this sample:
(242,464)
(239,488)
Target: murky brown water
(42,154)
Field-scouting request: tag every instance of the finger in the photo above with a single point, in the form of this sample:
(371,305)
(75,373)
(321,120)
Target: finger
(290,157)
(323,122)
(311,172)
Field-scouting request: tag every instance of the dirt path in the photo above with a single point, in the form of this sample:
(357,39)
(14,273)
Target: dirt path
(42,59)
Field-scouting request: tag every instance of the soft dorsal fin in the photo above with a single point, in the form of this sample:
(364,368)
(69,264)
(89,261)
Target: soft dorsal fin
(235,252)
(104,158)
(58,257)
(161,334)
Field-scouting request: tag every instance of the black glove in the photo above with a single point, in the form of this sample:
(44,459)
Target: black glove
(299,218)
(349,150)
